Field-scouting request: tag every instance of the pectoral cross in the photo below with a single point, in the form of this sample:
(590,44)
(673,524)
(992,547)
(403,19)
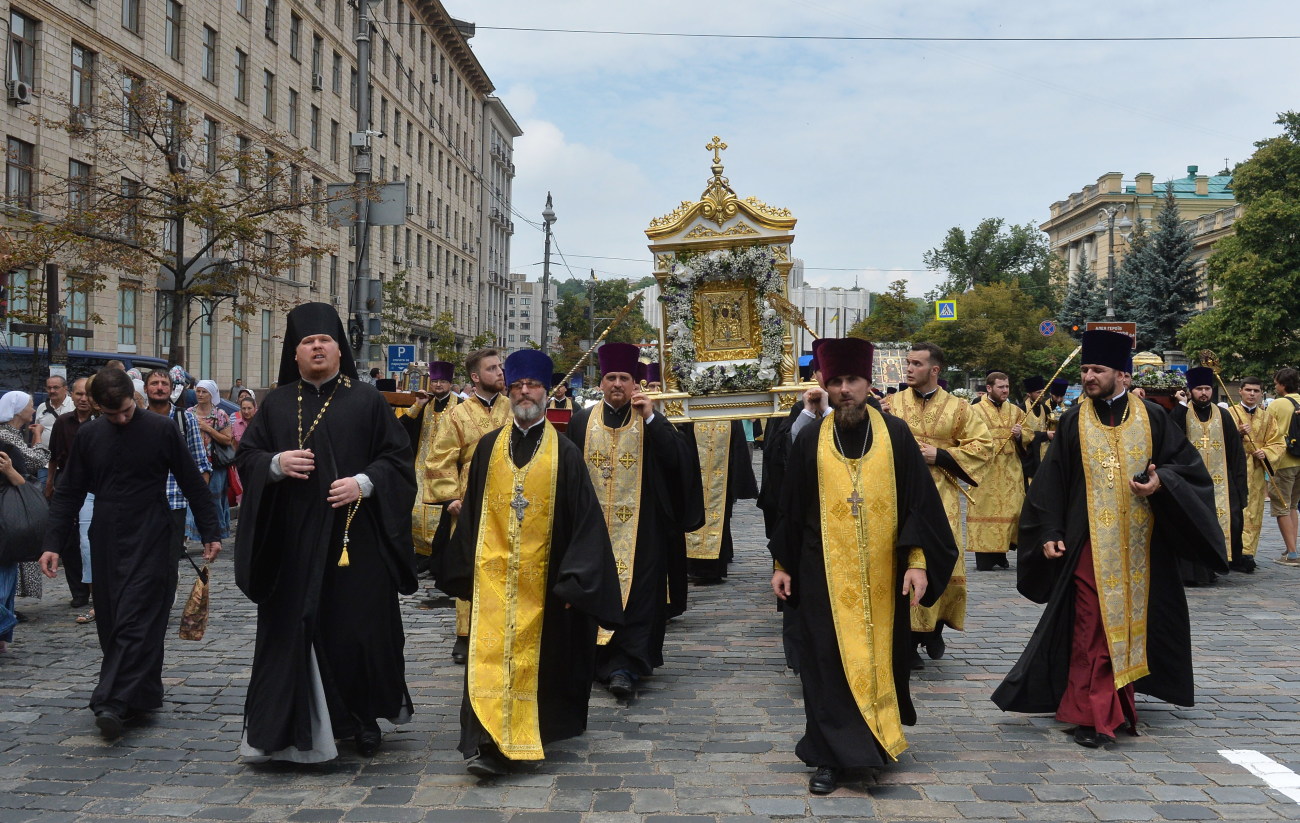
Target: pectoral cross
(856,500)
(1110,464)
(601,461)
(519,503)
(1205,442)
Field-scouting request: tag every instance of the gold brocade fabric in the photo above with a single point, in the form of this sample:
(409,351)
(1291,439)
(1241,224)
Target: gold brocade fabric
(948,423)
(1120,524)
(991,521)
(613,458)
(1207,437)
(510,567)
(859,526)
(426,514)
(447,463)
(1268,437)
(713,442)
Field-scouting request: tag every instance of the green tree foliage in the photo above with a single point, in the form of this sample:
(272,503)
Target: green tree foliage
(894,316)
(442,341)
(990,254)
(1084,300)
(1132,297)
(997,329)
(1255,274)
(1169,284)
(573,320)
(400,314)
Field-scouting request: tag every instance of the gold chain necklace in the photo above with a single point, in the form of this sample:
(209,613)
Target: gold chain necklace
(302,439)
(852,465)
(1112,433)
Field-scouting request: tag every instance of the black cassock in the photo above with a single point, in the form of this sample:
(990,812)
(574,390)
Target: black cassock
(741,485)
(836,735)
(286,561)
(133,565)
(1198,573)
(1056,508)
(672,504)
(581,574)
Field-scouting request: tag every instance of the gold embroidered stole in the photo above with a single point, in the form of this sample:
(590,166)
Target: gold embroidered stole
(511,558)
(991,520)
(425,516)
(1120,523)
(1208,439)
(614,462)
(713,442)
(1262,430)
(859,523)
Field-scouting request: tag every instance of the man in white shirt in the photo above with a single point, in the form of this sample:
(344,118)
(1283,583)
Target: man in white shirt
(59,402)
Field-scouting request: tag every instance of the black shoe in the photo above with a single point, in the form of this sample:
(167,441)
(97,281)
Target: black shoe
(1086,736)
(621,686)
(917,662)
(368,742)
(79,601)
(487,764)
(708,581)
(823,781)
(109,723)
(934,645)
(460,651)
(20,617)
(1003,562)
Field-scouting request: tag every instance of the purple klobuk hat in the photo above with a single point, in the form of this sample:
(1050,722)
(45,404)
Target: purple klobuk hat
(653,374)
(844,357)
(620,357)
(441,370)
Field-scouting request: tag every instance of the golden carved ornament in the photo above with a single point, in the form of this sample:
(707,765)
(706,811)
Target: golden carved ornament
(741,228)
(718,204)
(674,408)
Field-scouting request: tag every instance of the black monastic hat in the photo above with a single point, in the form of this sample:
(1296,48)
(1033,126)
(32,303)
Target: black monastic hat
(304,321)
(1200,376)
(1111,349)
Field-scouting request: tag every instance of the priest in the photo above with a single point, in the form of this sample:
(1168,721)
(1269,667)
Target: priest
(863,538)
(1213,433)
(1121,496)
(422,421)
(956,445)
(995,506)
(727,475)
(647,480)
(533,559)
(323,549)
(1033,431)
(447,466)
(560,399)
(1263,444)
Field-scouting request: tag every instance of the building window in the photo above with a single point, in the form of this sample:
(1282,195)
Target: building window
(130,207)
(79,186)
(132,87)
(352,89)
(336,79)
(236,352)
(175,29)
(19,172)
(315,272)
(241,75)
(293,112)
(205,339)
(81,95)
(242,162)
(241,6)
(267,328)
(209,54)
(22,48)
(334,275)
(272,10)
(295,36)
(268,95)
(317,54)
(314,134)
(334,141)
(131,15)
(211,143)
(127,317)
(78,311)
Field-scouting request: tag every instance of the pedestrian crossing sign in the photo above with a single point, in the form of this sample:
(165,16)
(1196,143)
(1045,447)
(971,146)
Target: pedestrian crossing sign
(945,310)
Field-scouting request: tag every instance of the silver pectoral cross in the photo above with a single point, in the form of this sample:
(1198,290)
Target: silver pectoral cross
(856,500)
(519,503)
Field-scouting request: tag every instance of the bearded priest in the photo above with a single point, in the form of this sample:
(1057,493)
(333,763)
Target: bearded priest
(1119,499)
(532,557)
(863,539)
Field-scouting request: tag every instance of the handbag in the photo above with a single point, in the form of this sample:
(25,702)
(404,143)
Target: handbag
(222,456)
(194,618)
(23,518)
(234,487)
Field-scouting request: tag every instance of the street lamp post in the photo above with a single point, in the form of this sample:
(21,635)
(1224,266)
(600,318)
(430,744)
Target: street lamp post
(548,217)
(591,324)
(1107,216)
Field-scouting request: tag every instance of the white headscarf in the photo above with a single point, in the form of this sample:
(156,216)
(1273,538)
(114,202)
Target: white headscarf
(211,387)
(12,403)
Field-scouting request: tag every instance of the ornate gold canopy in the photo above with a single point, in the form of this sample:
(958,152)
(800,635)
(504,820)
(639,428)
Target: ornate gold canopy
(718,205)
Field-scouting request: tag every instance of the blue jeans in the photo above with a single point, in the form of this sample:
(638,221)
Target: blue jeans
(8,590)
(83,526)
(217,486)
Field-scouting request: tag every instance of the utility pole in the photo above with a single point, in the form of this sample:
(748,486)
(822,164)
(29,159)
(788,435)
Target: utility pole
(548,217)
(591,325)
(365,296)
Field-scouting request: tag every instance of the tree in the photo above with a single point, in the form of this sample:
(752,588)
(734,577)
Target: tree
(894,317)
(574,323)
(400,312)
(989,255)
(1255,273)
(997,329)
(1131,293)
(442,340)
(208,219)
(1084,300)
(1169,281)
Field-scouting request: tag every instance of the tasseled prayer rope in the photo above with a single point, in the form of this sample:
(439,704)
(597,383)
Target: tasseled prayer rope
(352,512)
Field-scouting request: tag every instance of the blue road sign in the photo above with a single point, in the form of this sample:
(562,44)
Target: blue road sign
(1047,327)
(945,310)
(399,357)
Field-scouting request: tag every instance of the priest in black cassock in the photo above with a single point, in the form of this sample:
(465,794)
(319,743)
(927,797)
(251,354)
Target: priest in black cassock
(647,480)
(863,538)
(1120,497)
(1212,431)
(323,549)
(532,556)
(124,457)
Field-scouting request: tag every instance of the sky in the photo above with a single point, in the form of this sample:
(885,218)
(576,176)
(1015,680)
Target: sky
(878,148)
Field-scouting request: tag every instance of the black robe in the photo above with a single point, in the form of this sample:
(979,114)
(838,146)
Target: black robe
(133,565)
(581,574)
(286,561)
(836,735)
(672,504)
(741,485)
(1197,574)
(1056,508)
(776,452)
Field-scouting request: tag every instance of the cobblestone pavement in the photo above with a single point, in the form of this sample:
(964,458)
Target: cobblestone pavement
(710,738)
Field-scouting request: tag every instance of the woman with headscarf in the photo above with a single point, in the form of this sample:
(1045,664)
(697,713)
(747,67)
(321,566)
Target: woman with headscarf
(214,423)
(11,473)
(16,412)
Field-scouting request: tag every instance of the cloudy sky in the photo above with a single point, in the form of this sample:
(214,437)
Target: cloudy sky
(878,148)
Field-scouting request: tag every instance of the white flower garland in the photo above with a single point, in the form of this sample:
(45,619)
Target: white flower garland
(693,377)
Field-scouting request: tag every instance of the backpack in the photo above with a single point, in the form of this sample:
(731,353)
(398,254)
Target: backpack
(1293,433)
